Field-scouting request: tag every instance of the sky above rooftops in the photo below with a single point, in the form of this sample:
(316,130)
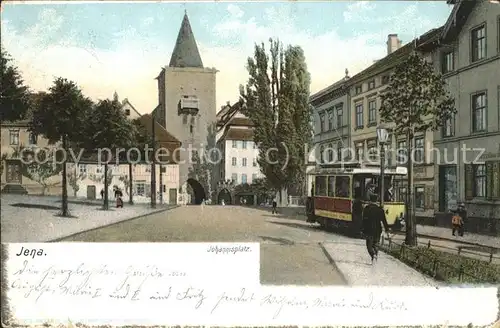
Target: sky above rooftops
(122,46)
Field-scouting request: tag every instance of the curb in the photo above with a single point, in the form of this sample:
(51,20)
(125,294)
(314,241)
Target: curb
(332,262)
(111,224)
(452,240)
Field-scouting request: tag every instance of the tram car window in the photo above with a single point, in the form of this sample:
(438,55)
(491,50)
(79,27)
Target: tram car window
(321,186)
(331,186)
(342,186)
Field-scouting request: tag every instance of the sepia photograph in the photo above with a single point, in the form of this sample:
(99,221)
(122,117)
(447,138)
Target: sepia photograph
(357,142)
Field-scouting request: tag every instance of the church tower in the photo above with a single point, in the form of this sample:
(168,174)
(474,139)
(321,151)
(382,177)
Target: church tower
(187,100)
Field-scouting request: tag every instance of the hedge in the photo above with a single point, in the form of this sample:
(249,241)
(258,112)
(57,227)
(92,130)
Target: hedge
(447,267)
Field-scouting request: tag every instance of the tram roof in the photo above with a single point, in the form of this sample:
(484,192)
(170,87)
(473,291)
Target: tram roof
(357,168)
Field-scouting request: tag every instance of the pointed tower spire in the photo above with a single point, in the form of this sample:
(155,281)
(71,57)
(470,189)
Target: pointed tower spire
(185,52)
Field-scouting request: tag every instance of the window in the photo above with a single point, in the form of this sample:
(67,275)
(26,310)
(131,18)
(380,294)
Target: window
(235,143)
(448,129)
(372,112)
(478,43)
(330,120)
(233,161)
(401,196)
(360,152)
(243,162)
(401,151)
(184,119)
(82,168)
(191,129)
(127,112)
(385,79)
(320,183)
(244,144)
(371,85)
(254,162)
(14,137)
(140,189)
(340,114)
(372,153)
(331,186)
(479,112)
(234,177)
(254,177)
(358,89)
(479,172)
(243,178)
(322,122)
(33,139)
(359,116)
(420,197)
(419,150)
(342,186)
(447,62)
(339,152)
(321,154)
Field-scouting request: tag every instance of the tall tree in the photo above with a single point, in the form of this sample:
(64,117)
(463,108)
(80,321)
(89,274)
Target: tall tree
(60,117)
(74,179)
(14,95)
(108,128)
(276,99)
(416,99)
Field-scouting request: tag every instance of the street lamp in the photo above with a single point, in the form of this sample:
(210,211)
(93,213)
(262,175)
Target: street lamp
(383,136)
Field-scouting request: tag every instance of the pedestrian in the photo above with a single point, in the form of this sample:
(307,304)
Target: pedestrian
(275,204)
(102,193)
(458,220)
(373,219)
(119,200)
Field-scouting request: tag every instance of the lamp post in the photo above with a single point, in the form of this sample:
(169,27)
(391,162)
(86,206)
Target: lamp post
(383,136)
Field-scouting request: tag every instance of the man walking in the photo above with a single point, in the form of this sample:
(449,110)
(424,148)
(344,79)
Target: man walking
(373,219)
(275,204)
(458,220)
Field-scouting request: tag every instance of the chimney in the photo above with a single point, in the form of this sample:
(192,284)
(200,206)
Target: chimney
(393,43)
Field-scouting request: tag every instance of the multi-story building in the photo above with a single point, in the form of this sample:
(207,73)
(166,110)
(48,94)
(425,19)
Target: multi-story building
(366,89)
(469,59)
(187,103)
(239,152)
(331,122)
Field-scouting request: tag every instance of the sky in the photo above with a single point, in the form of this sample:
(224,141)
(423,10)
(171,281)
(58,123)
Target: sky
(121,46)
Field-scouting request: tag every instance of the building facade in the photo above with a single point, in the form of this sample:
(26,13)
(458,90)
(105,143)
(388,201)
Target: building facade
(366,89)
(331,122)
(469,59)
(187,103)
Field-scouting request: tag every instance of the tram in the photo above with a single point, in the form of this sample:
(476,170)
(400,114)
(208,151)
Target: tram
(339,192)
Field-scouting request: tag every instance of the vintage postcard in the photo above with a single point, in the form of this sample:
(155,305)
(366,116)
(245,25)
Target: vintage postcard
(192,162)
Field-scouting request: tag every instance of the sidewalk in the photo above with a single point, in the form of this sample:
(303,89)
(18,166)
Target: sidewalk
(353,261)
(445,233)
(21,224)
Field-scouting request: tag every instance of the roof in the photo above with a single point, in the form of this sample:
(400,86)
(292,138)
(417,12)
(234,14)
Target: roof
(240,121)
(423,42)
(162,135)
(238,134)
(224,118)
(337,85)
(458,17)
(185,52)
(126,101)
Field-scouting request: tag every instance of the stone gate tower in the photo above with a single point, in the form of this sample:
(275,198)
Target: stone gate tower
(187,101)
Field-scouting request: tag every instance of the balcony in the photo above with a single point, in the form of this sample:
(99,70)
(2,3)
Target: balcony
(188,105)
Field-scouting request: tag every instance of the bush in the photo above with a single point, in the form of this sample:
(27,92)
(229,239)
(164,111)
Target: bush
(447,267)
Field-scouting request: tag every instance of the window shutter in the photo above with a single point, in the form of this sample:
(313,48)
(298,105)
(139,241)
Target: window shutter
(469,181)
(495,180)
(429,197)
(489,179)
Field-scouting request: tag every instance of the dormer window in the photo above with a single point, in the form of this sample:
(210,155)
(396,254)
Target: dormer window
(358,89)
(33,139)
(127,112)
(371,85)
